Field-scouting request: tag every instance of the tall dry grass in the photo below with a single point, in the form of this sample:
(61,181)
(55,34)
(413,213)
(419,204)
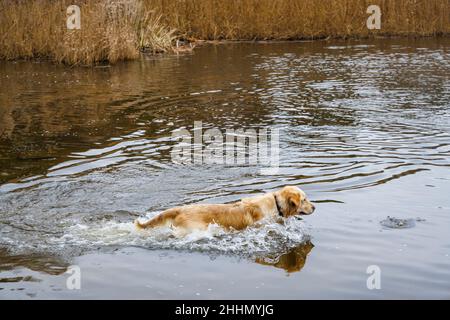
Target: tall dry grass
(301,19)
(113,30)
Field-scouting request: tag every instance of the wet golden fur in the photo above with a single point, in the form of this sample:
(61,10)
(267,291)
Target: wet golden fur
(238,215)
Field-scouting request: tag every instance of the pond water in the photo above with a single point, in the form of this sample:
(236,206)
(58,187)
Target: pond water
(364,131)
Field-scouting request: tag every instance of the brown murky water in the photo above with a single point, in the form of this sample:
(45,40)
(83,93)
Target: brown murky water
(364,130)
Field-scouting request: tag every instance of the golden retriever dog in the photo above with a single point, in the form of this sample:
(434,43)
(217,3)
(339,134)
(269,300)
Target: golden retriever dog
(288,201)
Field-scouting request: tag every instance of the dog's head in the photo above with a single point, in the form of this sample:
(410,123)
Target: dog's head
(293,201)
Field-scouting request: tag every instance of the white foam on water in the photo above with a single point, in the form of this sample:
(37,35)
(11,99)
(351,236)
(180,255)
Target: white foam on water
(265,238)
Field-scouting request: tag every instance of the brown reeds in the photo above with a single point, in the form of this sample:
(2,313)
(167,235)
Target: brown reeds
(301,19)
(110,31)
(114,30)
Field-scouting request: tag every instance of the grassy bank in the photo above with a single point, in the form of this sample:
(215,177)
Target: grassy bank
(116,30)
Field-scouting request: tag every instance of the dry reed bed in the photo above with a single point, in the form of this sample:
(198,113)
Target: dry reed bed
(301,19)
(113,30)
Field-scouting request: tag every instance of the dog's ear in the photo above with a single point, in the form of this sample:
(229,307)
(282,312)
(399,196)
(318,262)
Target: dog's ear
(294,204)
(292,200)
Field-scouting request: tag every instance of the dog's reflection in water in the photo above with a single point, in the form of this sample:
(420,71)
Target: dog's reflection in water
(292,261)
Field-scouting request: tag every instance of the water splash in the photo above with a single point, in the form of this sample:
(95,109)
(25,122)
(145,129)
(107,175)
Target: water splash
(265,238)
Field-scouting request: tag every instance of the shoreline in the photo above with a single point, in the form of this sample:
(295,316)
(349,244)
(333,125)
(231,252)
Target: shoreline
(193,43)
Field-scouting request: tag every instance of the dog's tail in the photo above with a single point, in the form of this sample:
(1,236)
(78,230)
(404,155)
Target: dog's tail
(165,218)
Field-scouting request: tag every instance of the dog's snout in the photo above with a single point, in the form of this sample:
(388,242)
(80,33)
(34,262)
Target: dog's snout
(313,207)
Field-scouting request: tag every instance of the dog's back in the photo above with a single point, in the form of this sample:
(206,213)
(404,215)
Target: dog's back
(236,215)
